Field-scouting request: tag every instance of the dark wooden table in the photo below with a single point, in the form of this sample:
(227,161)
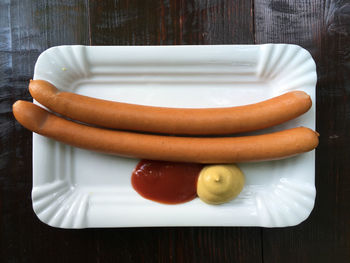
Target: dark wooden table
(322,27)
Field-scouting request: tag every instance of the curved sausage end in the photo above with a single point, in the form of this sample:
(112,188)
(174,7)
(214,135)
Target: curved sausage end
(42,89)
(29,115)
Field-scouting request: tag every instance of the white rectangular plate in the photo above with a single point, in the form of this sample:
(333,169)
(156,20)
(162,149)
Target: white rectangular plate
(75,188)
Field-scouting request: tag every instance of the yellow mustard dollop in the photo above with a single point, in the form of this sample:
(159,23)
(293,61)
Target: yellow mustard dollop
(218,184)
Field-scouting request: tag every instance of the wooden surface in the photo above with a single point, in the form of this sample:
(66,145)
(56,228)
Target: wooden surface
(323,27)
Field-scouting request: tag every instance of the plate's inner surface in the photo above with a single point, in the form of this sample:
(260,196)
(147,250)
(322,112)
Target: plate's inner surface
(79,188)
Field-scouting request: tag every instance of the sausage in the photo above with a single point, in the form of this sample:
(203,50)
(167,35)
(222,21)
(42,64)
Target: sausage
(271,146)
(208,121)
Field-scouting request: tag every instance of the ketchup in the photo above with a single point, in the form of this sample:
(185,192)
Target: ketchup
(166,182)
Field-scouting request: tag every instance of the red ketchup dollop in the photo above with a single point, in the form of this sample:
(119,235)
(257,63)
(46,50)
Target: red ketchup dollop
(166,182)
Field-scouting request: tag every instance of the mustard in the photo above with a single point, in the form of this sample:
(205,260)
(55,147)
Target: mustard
(218,184)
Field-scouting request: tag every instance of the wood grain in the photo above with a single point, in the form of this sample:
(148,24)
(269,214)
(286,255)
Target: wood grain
(171,22)
(177,245)
(323,29)
(26,29)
